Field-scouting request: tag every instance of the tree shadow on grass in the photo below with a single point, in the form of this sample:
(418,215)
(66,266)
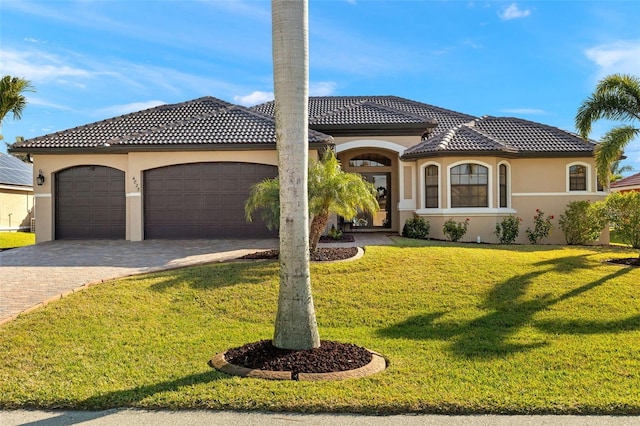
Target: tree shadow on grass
(214,276)
(131,397)
(492,334)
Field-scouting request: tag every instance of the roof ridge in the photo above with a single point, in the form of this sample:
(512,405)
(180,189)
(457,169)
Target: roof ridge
(472,126)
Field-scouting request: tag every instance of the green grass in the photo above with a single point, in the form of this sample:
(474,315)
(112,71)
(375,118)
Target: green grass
(465,328)
(16,239)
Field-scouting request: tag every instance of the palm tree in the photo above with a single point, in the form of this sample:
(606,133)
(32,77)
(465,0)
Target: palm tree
(617,170)
(617,97)
(331,190)
(295,326)
(12,97)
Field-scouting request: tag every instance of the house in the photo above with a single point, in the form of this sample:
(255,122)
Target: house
(185,170)
(630,183)
(16,194)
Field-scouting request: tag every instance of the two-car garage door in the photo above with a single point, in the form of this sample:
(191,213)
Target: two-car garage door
(200,200)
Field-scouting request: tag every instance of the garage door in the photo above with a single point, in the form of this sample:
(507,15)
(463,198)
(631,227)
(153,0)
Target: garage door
(202,200)
(90,203)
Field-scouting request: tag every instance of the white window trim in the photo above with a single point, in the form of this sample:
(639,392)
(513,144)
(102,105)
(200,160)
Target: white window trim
(508,165)
(489,184)
(587,177)
(423,189)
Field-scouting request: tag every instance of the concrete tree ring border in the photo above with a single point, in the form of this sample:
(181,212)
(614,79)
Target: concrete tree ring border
(377,364)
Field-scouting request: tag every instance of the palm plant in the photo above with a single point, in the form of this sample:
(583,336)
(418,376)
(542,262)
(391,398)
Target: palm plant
(617,170)
(617,97)
(331,191)
(12,97)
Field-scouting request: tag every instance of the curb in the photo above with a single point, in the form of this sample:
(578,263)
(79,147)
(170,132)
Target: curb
(377,364)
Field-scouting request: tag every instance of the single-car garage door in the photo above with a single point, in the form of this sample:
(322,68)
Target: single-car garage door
(90,203)
(202,200)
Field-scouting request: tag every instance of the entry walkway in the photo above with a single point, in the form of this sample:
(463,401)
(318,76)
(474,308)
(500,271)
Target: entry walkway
(35,275)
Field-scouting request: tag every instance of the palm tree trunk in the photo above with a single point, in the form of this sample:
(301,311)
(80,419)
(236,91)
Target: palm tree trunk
(318,225)
(295,326)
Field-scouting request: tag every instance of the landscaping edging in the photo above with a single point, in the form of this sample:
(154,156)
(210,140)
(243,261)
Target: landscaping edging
(377,364)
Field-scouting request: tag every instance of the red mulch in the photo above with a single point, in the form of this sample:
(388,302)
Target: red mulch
(344,238)
(329,357)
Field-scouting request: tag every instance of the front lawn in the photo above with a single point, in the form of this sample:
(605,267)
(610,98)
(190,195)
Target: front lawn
(16,239)
(466,328)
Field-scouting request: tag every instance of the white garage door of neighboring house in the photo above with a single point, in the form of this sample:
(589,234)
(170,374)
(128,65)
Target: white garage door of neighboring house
(202,200)
(90,203)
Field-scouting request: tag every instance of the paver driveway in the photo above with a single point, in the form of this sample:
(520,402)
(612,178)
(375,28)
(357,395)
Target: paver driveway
(34,275)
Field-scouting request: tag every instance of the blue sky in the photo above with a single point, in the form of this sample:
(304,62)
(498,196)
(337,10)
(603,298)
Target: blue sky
(90,60)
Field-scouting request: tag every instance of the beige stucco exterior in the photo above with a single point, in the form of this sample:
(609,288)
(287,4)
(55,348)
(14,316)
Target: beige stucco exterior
(16,207)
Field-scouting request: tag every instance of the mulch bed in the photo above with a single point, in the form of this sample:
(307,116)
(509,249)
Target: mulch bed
(628,261)
(344,238)
(320,255)
(328,358)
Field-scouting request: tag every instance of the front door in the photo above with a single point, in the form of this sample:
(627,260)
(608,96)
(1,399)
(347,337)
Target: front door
(381,218)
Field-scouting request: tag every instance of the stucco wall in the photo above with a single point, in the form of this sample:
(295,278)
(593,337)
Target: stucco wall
(16,208)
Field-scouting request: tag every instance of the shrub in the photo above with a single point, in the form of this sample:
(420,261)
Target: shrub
(623,211)
(541,227)
(507,231)
(416,227)
(334,233)
(581,222)
(455,230)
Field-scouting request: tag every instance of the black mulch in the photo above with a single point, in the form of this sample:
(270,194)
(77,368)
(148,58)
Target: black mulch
(329,357)
(320,255)
(344,238)
(629,261)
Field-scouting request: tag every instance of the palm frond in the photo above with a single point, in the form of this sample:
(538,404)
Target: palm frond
(611,147)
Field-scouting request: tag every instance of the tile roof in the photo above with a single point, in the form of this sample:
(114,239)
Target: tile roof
(631,181)
(510,135)
(205,121)
(374,110)
(15,172)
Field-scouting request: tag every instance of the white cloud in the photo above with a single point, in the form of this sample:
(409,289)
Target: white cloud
(513,12)
(322,88)
(116,110)
(619,57)
(254,98)
(524,111)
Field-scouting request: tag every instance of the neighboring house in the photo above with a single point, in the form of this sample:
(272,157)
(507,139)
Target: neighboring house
(16,194)
(630,183)
(185,170)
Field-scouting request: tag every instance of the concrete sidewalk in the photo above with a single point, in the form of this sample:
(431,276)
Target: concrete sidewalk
(119,417)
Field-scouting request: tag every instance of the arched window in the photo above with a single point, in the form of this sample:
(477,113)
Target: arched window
(431,187)
(502,190)
(469,185)
(370,160)
(577,178)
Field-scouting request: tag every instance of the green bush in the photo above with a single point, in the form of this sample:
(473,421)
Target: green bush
(334,233)
(541,227)
(623,211)
(581,222)
(416,227)
(507,231)
(455,230)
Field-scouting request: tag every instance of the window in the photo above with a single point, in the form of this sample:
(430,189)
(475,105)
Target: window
(370,160)
(469,186)
(577,178)
(503,185)
(431,187)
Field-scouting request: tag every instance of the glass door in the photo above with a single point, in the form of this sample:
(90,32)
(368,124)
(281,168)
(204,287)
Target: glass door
(381,218)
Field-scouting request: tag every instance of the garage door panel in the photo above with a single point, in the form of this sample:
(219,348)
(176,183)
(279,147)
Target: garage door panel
(90,203)
(203,200)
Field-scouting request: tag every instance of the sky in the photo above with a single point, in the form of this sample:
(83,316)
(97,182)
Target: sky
(94,59)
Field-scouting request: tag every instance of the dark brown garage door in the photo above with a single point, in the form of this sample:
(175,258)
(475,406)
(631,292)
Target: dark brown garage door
(90,203)
(202,200)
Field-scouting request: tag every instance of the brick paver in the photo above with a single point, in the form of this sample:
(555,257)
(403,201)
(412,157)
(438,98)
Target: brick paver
(34,275)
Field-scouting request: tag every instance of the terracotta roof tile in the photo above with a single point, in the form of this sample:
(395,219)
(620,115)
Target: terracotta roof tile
(633,180)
